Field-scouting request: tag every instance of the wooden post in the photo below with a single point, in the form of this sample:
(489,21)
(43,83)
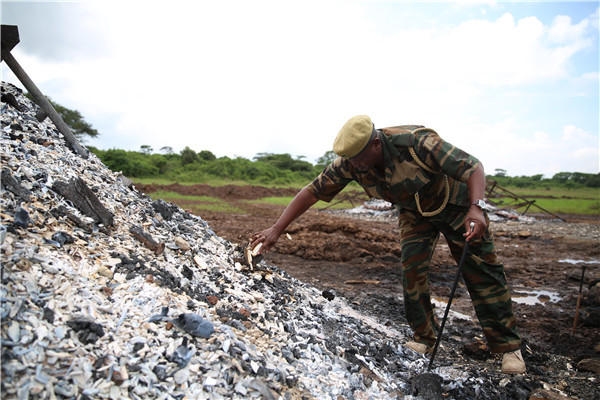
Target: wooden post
(11,34)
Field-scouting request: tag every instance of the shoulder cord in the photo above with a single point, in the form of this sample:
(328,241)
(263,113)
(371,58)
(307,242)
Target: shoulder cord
(447,186)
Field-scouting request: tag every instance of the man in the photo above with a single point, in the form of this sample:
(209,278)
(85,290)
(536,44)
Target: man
(436,188)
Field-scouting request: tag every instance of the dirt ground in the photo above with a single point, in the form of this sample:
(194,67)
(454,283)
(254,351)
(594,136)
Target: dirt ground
(359,258)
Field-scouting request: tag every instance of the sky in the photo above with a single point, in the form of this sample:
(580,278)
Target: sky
(513,83)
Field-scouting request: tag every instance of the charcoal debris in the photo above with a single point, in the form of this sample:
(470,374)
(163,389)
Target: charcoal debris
(138,232)
(62,238)
(84,200)
(9,98)
(63,212)
(87,330)
(11,184)
(22,218)
(428,386)
(195,325)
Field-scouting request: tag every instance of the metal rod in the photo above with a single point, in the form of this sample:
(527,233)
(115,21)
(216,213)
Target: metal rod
(346,198)
(578,300)
(41,100)
(528,205)
(458,273)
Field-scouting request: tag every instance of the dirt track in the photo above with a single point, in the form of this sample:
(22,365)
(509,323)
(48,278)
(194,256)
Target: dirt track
(330,251)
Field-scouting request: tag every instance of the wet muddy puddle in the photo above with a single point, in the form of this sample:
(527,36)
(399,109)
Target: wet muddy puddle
(533,297)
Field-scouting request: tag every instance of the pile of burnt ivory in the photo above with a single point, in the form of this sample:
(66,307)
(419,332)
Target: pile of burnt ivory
(109,294)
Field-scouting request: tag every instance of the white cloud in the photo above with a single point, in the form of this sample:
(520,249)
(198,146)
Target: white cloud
(578,136)
(562,31)
(503,52)
(44,24)
(541,140)
(505,146)
(585,153)
(594,18)
(238,78)
(591,76)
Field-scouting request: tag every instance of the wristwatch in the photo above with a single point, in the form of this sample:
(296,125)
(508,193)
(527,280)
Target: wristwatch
(479,203)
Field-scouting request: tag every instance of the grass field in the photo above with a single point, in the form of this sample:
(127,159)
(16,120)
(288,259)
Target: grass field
(583,201)
(207,203)
(210,182)
(197,203)
(558,200)
(345,201)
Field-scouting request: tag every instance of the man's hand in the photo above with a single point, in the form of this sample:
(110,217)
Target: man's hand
(268,238)
(475,215)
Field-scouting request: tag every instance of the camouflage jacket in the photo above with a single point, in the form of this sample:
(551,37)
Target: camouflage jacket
(403,176)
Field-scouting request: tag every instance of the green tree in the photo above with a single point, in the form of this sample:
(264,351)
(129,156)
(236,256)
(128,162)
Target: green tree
(117,160)
(160,162)
(562,177)
(206,155)
(284,161)
(537,177)
(73,118)
(593,180)
(131,163)
(326,159)
(145,149)
(500,172)
(188,156)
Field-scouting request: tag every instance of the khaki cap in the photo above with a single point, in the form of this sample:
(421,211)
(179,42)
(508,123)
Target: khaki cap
(353,137)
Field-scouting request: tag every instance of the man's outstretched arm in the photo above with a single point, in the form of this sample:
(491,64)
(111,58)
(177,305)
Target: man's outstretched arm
(299,204)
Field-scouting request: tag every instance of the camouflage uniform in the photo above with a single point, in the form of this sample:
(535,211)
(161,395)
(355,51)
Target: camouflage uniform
(445,167)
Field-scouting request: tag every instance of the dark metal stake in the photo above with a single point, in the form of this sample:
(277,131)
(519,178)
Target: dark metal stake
(458,273)
(578,300)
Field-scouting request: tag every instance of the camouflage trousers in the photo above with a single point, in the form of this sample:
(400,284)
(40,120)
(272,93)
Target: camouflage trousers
(483,274)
